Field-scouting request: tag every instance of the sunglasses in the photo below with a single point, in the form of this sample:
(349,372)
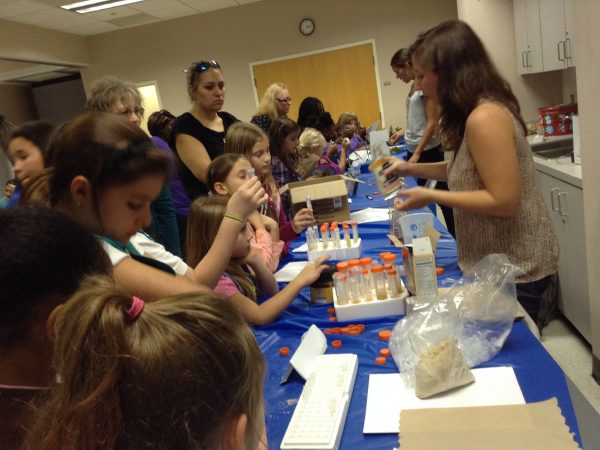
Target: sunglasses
(287,101)
(203,66)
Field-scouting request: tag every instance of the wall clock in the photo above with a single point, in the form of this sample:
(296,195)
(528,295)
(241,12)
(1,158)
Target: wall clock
(307,27)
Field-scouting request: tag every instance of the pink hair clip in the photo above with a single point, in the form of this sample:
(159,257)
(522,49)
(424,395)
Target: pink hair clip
(136,308)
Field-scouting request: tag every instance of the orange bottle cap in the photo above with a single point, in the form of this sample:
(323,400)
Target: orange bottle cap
(333,319)
(284,351)
(341,266)
(388,257)
(366,261)
(331,311)
(385,335)
(376,193)
(345,226)
(336,344)
(365,271)
(376,269)
(334,224)
(380,360)
(387,267)
(354,262)
(332,229)
(354,223)
(323,228)
(392,271)
(439,270)
(385,352)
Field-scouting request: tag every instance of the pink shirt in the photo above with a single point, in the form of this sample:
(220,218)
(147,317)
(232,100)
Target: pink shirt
(226,287)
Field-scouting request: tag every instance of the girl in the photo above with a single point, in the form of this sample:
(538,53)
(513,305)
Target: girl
(224,176)
(27,150)
(251,141)
(422,117)
(104,171)
(274,103)
(199,134)
(236,283)
(308,112)
(182,372)
(492,180)
(312,160)
(285,168)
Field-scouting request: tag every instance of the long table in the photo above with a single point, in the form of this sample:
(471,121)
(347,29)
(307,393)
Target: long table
(539,376)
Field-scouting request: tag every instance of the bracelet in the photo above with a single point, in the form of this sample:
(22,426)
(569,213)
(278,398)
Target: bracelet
(234,217)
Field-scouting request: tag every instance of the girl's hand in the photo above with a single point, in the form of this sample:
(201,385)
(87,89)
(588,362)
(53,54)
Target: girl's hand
(332,149)
(397,166)
(394,137)
(345,144)
(414,198)
(303,218)
(255,219)
(269,224)
(251,258)
(247,198)
(312,271)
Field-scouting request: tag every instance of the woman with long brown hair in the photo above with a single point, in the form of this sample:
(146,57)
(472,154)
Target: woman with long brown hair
(497,201)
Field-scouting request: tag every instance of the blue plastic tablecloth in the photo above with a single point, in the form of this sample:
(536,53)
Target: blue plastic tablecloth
(540,378)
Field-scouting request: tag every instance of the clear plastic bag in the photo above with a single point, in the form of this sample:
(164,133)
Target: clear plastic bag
(477,314)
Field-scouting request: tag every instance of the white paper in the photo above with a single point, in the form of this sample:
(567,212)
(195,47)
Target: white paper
(370,215)
(388,394)
(288,272)
(313,344)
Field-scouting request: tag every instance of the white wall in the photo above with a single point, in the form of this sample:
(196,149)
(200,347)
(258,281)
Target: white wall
(261,31)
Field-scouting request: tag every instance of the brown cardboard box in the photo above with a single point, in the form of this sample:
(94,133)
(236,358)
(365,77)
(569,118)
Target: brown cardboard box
(328,195)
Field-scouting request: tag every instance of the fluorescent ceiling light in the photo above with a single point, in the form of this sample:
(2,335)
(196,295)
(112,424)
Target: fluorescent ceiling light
(79,7)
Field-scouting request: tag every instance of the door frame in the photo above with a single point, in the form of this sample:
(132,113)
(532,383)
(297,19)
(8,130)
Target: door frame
(324,50)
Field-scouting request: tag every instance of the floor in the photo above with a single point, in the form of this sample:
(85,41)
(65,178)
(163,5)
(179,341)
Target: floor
(573,354)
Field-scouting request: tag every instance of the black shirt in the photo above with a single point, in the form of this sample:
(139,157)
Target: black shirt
(213,141)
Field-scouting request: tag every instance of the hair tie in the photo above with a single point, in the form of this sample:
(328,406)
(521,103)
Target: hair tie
(136,308)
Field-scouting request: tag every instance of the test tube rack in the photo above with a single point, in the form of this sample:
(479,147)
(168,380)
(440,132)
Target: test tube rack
(336,254)
(391,306)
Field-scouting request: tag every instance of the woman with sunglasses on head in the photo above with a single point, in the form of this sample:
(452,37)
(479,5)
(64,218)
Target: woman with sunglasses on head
(199,135)
(275,103)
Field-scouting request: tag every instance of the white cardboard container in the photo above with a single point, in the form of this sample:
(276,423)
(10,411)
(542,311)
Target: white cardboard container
(336,254)
(375,308)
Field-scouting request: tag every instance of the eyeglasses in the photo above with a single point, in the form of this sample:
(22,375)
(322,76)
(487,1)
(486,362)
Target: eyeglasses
(203,66)
(287,101)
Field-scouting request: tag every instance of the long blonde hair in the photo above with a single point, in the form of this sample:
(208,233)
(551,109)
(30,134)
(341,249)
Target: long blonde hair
(204,219)
(174,376)
(309,139)
(241,138)
(267,105)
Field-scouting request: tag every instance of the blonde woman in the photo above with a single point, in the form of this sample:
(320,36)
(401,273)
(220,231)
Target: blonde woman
(275,103)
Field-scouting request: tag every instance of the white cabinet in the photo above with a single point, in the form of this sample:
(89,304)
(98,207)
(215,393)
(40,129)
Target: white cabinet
(543,35)
(528,36)
(565,203)
(557,42)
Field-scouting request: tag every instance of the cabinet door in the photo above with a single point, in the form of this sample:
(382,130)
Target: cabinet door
(565,203)
(520,13)
(535,60)
(569,33)
(552,18)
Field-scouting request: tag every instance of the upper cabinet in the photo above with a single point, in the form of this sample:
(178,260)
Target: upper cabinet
(528,36)
(544,35)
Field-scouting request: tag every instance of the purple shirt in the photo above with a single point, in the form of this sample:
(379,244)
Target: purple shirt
(181,200)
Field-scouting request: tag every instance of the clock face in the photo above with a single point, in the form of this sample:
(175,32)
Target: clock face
(307,27)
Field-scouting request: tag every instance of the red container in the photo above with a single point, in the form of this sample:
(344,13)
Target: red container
(557,119)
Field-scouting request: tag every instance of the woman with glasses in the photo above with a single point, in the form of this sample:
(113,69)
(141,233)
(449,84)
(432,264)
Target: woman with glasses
(199,135)
(275,103)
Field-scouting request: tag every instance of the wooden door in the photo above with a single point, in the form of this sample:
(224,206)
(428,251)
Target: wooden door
(343,79)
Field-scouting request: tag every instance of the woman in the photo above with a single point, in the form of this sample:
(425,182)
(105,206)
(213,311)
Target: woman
(199,134)
(493,186)
(274,103)
(110,94)
(421,139)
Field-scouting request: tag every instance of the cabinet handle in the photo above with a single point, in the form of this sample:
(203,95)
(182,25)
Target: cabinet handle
(558,50)
(523,59)
(561,212)
(568,41)
(529,59)
(553,202)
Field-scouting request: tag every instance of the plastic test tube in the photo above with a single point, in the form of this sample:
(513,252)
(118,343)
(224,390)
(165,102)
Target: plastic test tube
(390,258)
(366,281)
(346,234)
(354,232)
(309,206)
(379,281)
(325,236)
(335,233)
(341,288)
(395,288)
(354,284)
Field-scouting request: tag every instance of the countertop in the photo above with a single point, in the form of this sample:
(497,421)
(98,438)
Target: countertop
(561,168)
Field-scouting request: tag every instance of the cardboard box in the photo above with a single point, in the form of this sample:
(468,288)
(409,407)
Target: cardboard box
(328,195)
(424,267)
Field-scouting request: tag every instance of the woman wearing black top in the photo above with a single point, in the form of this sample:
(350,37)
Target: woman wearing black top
(199,134)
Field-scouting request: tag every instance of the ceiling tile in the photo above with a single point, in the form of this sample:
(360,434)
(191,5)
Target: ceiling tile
(21,7)
(153,5)
(45,16)
(93,28)
(112,13)
(209,5)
